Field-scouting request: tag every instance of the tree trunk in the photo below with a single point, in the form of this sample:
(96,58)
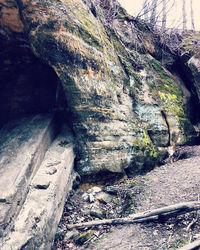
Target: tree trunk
(192,14)
(184,15)
(164,15)
(153,12)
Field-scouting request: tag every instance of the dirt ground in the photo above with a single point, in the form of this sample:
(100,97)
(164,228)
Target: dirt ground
(166,185)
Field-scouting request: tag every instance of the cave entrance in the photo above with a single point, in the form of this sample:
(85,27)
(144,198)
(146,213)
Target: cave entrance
(185,74)
(27,85)
(180,69)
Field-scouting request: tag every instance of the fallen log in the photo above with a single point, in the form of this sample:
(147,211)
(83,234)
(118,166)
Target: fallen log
(172,210)
(191,246)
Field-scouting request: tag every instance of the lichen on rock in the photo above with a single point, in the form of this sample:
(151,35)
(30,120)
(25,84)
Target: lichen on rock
(121,102)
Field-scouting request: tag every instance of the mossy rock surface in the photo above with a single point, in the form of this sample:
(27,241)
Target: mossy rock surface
(82,238)
(107,72)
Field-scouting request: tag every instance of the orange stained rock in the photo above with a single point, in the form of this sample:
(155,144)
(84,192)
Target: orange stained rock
(9,16)
(149,45)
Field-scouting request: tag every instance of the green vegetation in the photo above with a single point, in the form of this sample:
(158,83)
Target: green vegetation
(129,202)
(179,243)
(164,88)
(83,24)
(116,200)
(148,151)
(82,238)
(145,145)
(122,15)
(189,43)
(84,34)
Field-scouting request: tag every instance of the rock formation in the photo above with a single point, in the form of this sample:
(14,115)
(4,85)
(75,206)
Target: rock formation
(125,97)
(120,101)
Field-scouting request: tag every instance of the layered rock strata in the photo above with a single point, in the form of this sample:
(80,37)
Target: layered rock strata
(36,173)
(122,104)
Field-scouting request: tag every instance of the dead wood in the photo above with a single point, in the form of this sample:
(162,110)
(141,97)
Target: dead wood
(191,246)
(168,211)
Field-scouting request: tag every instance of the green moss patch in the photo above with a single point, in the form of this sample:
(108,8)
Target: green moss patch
(148,151)
(84,34)
(82,238)
(168,92)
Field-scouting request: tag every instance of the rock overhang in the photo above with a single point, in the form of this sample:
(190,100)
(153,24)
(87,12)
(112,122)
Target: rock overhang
(100,73)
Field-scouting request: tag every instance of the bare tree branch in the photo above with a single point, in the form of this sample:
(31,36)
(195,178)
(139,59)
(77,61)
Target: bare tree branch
(168,211)
(159,16)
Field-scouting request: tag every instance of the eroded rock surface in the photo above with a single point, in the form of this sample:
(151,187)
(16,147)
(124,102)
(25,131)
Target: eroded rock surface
(23,145)
(122,103)
(126,99)
(34,185)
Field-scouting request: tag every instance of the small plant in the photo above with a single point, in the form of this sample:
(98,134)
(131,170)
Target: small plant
(179,243)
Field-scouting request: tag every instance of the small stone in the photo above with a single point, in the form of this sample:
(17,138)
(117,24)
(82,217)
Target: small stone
(91,198)
(104,197)
(82,238)
(85,197)
(197,236)
(76,181)
(72,216)
(155,232)
(79,220)
(69,207)
(70,235)
(95,190)
(98,213)
(71,193)
(111,190)
(60,234)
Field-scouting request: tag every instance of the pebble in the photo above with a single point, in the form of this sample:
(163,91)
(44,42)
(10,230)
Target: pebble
(197,236)
(111,190)
(104,197)
(70,235)
(98,212)
(95,189)
(91,198)
(69,207)
(85,196)
(60,234)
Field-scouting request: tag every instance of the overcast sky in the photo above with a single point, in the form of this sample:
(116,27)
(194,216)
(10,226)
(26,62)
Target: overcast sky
(174,14)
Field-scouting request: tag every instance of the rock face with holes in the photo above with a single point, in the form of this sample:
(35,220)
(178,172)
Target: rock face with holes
(36,171)
(124,107)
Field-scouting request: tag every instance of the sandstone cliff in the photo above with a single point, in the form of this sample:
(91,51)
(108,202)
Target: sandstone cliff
(126,97)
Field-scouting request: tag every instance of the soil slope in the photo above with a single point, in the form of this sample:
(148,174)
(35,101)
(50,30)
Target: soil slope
(166,185)
(176,181)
